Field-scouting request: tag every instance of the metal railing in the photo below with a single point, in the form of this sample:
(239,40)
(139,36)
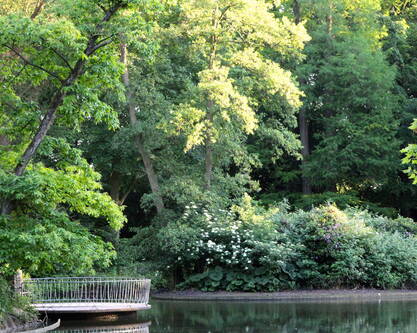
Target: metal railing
(86,289)
(137,328)
(122,330)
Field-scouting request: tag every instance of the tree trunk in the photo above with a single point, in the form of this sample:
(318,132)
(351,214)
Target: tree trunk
(147,161)
(4,140)
(46,123)
(208,175)
(37,9)
(305,151)
(115,183)
(302,120)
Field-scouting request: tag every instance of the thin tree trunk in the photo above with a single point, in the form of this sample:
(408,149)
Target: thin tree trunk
(4,140)
(38,9)
(208,175)
(115,184)
(305,151)
(147,161)
(303,121)
(329,113)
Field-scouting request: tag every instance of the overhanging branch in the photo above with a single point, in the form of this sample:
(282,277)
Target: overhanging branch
(29,63)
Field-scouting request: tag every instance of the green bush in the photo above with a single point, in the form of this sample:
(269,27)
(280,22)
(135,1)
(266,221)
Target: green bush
(129,263)
(13,306)
(251,248)
(51,245)
(342,200)
(352,248)
(238,250)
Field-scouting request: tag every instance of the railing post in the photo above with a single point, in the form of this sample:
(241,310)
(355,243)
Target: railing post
(18,282)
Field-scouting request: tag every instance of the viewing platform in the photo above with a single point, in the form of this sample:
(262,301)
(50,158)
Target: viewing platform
(86,294)
(127,328)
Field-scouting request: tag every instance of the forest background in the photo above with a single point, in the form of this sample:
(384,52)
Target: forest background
(221,144)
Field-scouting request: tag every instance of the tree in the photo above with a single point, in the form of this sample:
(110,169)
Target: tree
(147,161)
(350,97)
(42,235)
(55,67)
(226,40)
(65,57)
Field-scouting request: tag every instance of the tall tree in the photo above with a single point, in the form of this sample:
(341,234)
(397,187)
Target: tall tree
(226,40)
(61,56)
(350,97)
(303,122)
(55,67)
(144,154)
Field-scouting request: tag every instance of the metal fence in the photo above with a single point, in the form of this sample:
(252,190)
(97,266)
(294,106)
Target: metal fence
(138,328)
(122,330)
(86,289)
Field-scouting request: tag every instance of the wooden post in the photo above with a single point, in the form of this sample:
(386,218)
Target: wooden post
(18,282)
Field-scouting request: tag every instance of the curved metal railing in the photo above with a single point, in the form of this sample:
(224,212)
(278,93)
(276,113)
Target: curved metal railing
(132,328)
(86,289)
(122,330)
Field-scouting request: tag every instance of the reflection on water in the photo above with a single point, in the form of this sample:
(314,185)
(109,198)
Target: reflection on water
(266,317)
(190,317)
(124,324)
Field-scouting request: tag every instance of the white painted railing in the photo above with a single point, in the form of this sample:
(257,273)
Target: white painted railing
(86,289)
(132,328)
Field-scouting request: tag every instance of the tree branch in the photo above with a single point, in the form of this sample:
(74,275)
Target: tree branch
(59,55)
(34,65)
(102,8)
(98,46)
(223,12)
(38,9)
(15,76)
(128,191)
(92,43)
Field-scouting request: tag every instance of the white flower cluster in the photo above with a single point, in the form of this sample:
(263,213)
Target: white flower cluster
(223,240)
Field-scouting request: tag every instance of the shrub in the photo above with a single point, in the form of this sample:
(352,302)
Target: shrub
(13,306)
(251,248)
(352,248)
(235,250)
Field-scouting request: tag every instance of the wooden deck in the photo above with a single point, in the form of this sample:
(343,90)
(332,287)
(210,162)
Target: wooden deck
(99,307)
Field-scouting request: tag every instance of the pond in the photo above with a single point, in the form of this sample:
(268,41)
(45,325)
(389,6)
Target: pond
(266,317)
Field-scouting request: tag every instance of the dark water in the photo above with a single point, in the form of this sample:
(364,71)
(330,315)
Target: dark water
(265,317)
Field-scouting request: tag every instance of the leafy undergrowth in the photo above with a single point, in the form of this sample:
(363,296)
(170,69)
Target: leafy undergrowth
(14,310)
(249,248)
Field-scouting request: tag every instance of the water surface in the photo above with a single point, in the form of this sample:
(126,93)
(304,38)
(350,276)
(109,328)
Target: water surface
(266,317)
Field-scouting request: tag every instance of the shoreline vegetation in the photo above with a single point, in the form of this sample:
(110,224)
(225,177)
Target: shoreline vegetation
(293,295)
(16,314)
(254,249)
(11,323)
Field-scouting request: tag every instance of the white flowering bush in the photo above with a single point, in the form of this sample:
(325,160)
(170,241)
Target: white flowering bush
(219,249)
